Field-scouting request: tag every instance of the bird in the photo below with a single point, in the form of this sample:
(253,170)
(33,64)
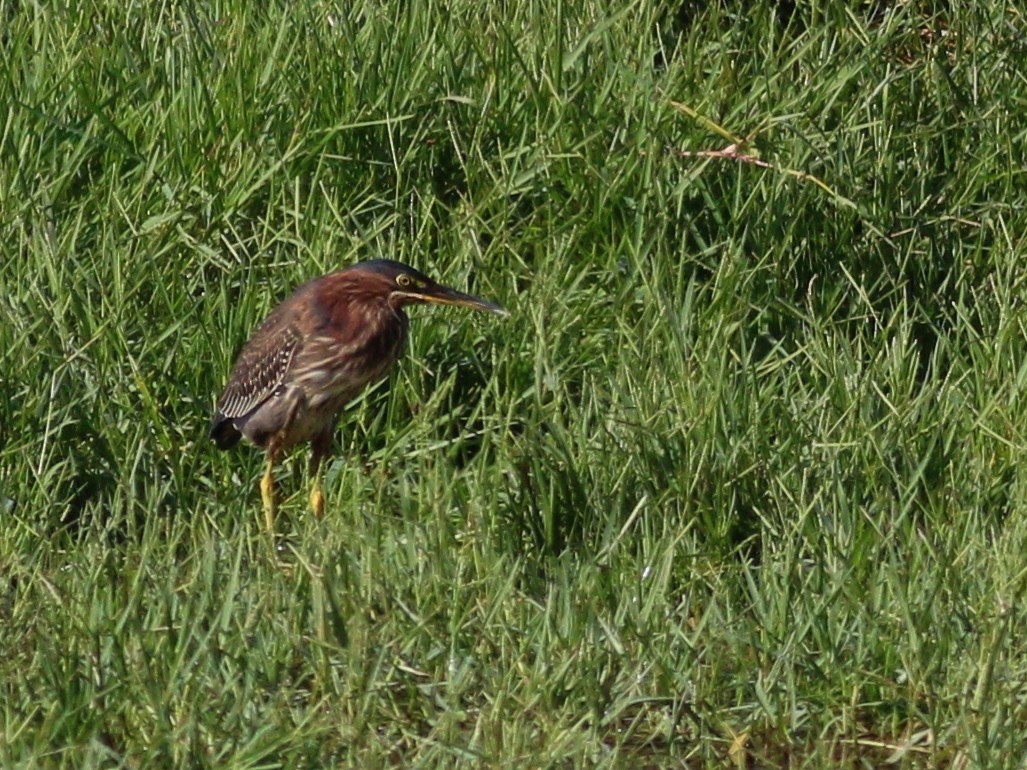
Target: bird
(333,337)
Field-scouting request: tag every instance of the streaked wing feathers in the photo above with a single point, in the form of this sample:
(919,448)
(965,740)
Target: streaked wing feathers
(261,368)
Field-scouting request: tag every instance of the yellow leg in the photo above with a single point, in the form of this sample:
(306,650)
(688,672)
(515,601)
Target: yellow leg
(317,497)
(267,494)
(319,447)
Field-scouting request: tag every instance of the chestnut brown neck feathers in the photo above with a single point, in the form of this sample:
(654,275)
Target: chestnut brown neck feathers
(353,302)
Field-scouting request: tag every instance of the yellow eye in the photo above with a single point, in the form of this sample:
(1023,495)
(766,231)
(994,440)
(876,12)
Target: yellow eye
(404,280)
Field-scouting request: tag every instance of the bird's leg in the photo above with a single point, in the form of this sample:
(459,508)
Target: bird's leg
(293,400)
(267,487)
(319,449)
(317,497)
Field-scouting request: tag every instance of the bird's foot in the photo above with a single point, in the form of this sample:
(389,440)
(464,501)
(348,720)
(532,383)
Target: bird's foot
(317,500)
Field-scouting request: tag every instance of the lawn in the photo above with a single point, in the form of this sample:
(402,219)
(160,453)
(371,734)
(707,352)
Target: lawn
(740,481)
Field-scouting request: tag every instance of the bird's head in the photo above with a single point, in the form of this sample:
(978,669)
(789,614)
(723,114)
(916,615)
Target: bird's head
(403,285)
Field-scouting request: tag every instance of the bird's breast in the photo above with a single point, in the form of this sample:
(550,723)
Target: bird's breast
(332,371)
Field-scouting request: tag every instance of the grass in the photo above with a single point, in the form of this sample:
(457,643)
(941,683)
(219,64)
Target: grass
(739,482)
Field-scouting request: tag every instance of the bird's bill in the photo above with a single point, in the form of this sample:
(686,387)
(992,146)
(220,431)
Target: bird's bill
(443,295)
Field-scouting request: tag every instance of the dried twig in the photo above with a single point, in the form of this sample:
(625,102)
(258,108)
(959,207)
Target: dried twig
(734,151)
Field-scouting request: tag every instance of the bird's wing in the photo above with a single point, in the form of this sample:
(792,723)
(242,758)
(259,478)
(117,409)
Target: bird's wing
(261,368)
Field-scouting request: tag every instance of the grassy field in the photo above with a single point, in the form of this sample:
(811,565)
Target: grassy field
(740,482)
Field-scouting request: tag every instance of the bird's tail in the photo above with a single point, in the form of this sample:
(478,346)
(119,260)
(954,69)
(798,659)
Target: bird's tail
(223,432)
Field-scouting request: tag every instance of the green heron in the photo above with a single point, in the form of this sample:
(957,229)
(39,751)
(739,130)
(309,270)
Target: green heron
(316,351)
